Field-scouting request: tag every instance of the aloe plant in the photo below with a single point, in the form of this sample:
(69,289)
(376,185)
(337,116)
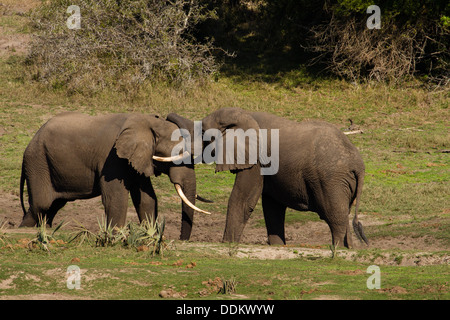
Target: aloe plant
(43,237)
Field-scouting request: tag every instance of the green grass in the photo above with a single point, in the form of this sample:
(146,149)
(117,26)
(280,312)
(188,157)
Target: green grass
(120,273)
(406,190)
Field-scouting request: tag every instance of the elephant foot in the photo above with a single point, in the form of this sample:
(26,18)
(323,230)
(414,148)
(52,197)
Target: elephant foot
(28,221)
(275,240)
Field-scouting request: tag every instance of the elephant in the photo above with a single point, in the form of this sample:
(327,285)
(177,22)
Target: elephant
(77,156)
(317,169)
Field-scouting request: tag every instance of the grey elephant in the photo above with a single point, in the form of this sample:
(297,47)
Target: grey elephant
(76,156)
(318,170)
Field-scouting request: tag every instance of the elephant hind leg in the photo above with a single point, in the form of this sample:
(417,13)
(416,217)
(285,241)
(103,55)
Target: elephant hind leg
(336,212)
(53,210)
(274,214)
(48,213)
(28,219)
(337,219)
(340,233)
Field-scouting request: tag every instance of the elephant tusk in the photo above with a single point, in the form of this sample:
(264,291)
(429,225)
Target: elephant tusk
(171,159)
(183,197)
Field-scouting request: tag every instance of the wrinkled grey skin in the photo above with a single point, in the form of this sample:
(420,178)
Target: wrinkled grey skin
(319,170)
(76,156)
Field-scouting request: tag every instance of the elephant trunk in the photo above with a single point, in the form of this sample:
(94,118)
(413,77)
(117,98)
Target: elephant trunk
(183,177)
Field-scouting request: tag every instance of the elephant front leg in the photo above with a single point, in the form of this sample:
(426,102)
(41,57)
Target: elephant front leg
(145,202)
(115,201)
(274,214)
(246,191)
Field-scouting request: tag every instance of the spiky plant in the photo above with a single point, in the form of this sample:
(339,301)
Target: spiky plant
(228,286)
(106,236)
(82,234)
(3,235)
(43,237)
(149,233)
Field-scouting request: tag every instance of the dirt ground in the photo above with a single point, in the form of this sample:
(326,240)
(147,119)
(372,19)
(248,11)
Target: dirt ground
(209,228)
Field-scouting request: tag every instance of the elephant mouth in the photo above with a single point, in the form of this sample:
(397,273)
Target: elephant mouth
(185,199)
(182,156)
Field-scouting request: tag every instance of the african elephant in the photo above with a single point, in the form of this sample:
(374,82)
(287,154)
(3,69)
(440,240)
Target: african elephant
(316,169)
(76,156)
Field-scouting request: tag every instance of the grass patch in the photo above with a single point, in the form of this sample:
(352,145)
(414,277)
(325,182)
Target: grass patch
(120,273)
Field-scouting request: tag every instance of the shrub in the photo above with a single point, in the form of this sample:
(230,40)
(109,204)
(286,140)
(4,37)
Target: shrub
(413,40)
(120,44)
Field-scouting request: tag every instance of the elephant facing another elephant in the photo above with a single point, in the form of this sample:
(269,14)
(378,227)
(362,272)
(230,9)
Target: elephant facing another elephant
(76,156)
(319,170)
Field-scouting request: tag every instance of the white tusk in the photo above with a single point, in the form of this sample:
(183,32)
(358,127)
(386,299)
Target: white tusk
(353,132)
(171,159)
(183,197)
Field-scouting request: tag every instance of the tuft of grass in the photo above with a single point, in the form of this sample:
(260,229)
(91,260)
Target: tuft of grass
(333,248)
(107,236)
(81,234)
(228,286)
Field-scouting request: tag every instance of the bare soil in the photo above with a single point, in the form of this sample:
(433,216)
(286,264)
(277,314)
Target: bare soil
(13,43)
(306,239)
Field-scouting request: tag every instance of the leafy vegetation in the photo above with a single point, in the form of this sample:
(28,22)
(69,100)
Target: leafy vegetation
(146,236)
(43,238)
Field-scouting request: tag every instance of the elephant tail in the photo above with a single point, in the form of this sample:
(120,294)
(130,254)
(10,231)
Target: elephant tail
(22,185)
(357,226)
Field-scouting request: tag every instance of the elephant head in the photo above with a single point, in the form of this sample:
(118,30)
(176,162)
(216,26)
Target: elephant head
(147,145)
(232,138)
(76,156)
(238,150)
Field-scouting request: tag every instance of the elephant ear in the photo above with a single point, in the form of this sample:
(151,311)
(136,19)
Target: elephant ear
(136,143)
(240,140)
